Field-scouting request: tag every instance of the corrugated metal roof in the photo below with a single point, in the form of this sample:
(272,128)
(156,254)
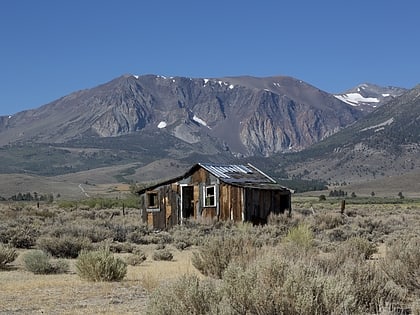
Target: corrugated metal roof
(225,171)
(234,173)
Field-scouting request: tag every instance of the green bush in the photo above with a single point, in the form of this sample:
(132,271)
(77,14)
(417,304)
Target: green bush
(100,265)
(63,247)
(7,255)
(40,262)
(300,236)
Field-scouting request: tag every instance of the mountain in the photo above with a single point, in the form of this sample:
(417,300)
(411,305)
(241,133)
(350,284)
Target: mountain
(384,143)
(367,96)
(238,116)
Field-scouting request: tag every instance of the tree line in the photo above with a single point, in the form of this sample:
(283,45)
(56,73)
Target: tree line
(29,197)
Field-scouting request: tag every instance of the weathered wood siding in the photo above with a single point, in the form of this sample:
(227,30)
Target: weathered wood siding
(260,203)
(231,202)
(167,215)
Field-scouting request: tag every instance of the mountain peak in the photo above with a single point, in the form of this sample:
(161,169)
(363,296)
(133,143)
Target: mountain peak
(367,96)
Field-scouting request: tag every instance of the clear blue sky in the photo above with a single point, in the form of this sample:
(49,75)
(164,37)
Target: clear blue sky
(50,48)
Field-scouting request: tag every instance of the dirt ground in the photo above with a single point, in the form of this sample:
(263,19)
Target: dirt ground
(22,292)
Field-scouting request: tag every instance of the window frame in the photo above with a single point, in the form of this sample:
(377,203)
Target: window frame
(206,196)
(153,207)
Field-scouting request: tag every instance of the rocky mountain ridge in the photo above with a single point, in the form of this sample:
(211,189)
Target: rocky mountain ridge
(243,115)
(384,143)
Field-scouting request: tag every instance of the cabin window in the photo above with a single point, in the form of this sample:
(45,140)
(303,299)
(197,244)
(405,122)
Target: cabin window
(209,196)
(152,200)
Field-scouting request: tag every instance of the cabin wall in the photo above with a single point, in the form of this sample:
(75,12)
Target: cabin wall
(200,179)
(231,202)
(167,214)
(261,203)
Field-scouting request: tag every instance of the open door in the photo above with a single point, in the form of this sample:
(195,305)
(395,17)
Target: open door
(187,202)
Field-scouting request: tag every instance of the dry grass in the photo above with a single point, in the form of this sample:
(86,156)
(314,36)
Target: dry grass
(22,292)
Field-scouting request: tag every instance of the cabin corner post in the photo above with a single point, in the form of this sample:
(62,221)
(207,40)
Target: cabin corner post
(243,197)
(142,209)
(217,198)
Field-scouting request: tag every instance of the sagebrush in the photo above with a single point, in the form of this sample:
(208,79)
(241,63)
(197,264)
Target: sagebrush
(100,265)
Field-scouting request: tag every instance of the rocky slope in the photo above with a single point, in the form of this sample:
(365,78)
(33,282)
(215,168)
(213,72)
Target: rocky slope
(243,115)
(384,143)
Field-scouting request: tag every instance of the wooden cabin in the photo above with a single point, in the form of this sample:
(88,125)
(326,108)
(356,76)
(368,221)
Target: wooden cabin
(214,192)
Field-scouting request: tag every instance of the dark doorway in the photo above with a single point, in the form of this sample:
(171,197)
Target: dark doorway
(187,196)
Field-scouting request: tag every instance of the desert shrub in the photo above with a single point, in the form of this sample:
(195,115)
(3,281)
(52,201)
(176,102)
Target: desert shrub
(354,250)
(40,262)
(119,233)
(136,258)
(369,286)
(219,250)
(187,295)
(7,255)
(275,284)
(143,237)
(328,220)
(121,247)
(100,265)
(84,229)
(339,234)
(162,254)
(188,235)
(23,237)
(300,236)
(137,237)
(180,245)
(63,247)
(66,204)
(402,263)
(284,220)
(160,246)
(358,247)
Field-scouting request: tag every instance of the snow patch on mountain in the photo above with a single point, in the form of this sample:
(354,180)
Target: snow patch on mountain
(354,99)
(380,126)
(162,124)
(200,121)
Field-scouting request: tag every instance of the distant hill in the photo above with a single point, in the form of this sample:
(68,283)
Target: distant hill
(384,143)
